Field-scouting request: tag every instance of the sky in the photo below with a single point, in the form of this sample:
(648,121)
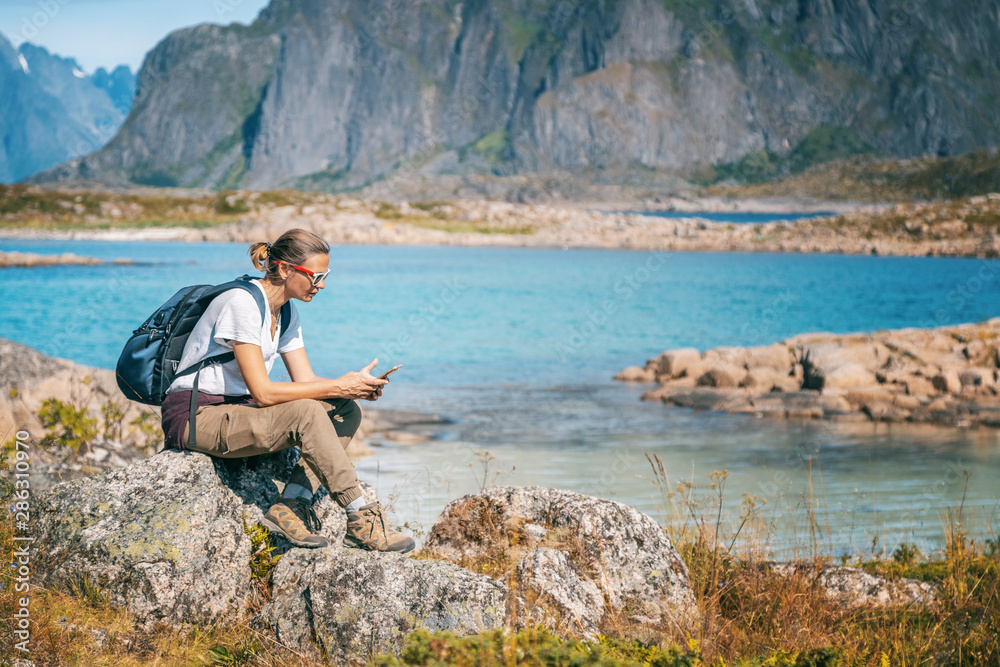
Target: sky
(108,33)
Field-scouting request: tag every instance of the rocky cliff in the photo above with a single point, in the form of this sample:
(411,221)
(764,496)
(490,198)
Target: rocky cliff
(51,111)
(334,95)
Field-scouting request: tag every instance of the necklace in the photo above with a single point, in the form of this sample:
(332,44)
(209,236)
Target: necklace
(272,299)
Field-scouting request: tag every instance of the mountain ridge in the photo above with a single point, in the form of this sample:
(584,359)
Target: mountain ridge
(53,111)
(338,95)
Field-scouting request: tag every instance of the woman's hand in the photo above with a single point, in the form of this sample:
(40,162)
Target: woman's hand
(361,384)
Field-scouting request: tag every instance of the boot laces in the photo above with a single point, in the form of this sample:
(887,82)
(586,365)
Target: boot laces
(376,518)
(309,518)
(312,521)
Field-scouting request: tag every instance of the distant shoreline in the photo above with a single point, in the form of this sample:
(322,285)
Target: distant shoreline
(966,228)
(31,259)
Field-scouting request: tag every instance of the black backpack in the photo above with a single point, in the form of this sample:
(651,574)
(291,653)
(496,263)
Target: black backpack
(149,363)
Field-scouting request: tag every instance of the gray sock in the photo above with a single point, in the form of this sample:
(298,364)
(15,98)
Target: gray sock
(297,491)
(355,505)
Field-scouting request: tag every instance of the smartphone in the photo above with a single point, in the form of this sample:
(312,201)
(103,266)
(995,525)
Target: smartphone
(385,376)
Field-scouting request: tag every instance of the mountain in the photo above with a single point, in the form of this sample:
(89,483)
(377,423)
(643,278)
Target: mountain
(336,94)
(51,111)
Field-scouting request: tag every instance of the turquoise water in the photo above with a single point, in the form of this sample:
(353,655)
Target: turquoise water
(517,348)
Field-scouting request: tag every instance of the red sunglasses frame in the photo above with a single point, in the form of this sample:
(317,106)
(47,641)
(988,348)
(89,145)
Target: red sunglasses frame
(317,278)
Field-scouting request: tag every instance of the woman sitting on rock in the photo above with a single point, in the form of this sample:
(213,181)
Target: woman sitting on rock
(241,412)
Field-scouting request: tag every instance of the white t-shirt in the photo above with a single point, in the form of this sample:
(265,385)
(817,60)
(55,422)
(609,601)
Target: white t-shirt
(233,315)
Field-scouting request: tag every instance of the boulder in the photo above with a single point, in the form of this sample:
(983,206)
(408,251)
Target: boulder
(722,375)
(846,363)
(28,378)
(947,381)
(163,538)
(706,398)
(576,602)
(730,356)
(606,544)
(861,396)
(673,363)
(763,379)
(345,605)
(636,374)
(907,402)
(669,388)
(796,405)
(976,377)
(856,588)
(919,386)
(834,404)
(885,412)
(787,383)
(776,357)
(847,375)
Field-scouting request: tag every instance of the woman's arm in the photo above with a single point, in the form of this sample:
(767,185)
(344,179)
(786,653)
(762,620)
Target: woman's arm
(305,383)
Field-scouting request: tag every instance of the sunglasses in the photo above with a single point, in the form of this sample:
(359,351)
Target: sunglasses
(317,278)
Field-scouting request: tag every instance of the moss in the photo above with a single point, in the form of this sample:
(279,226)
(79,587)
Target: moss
(825,143)
(521,34)
(492,146)
(158,549)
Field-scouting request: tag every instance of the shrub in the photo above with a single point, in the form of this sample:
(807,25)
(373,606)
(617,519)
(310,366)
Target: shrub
(69,426)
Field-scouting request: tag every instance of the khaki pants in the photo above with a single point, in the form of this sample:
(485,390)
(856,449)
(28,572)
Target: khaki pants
(320,429)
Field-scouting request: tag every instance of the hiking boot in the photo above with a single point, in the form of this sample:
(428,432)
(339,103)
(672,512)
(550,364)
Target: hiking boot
(367,529)
(296,521)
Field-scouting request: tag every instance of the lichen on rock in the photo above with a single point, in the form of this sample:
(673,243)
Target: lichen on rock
(163,538)
(347,604)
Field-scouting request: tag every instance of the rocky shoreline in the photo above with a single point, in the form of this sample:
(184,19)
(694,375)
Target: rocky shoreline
(168,537)
(126,431)
(948,376)
(31,259)
(950,229)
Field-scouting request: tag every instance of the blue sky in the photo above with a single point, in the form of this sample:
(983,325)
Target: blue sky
(107,33)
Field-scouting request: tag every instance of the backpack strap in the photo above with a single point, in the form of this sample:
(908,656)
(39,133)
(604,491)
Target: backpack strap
(243,282)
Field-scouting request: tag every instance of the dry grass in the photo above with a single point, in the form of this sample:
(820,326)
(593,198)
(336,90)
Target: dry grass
(33,207)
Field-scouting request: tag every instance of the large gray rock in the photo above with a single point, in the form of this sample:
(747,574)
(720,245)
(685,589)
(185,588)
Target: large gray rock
(852,587)
(163,538)
(607,545)
(346,605)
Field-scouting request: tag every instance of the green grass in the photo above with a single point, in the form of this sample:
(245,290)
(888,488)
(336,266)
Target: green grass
(823,143)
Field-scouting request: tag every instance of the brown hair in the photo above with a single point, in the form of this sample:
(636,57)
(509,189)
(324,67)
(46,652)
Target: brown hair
(295,246)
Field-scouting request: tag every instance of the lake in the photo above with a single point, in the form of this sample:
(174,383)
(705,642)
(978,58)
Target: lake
(735,217)
(517,348)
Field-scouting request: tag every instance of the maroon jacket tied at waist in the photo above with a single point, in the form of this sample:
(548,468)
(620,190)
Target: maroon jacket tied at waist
(176,411)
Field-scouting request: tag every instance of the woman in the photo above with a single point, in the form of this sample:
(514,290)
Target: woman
(241,412)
